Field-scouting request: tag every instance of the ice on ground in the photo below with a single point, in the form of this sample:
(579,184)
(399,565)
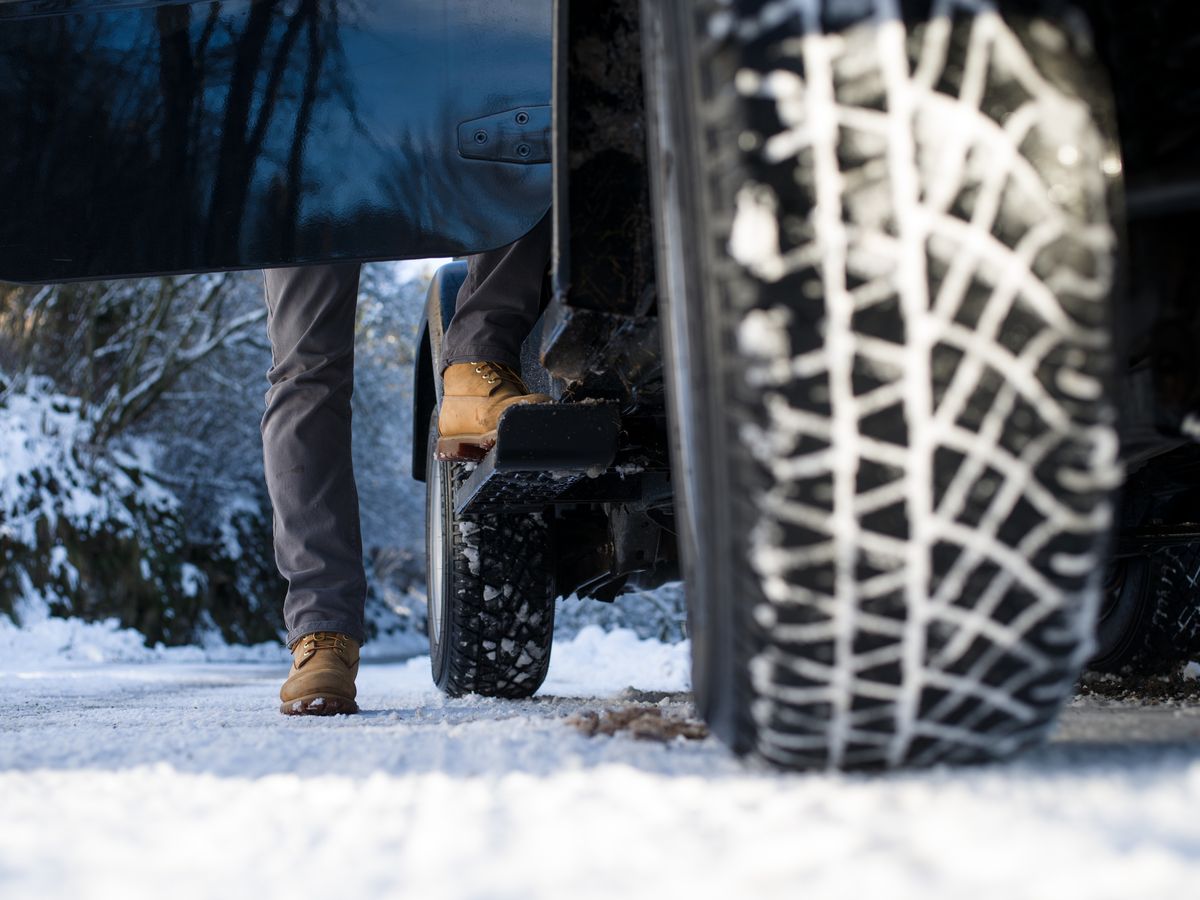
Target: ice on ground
(153,777)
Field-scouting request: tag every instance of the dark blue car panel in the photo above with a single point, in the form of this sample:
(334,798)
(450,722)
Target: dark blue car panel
(168,137)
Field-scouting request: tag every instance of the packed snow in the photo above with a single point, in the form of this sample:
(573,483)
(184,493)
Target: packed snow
(129,772)
(132,771)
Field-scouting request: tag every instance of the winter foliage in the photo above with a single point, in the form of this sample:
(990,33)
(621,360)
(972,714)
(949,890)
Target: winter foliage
(84,529)
(131,480)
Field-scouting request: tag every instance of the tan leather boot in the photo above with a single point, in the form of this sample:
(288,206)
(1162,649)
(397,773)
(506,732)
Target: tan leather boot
(321,683)
(473,397)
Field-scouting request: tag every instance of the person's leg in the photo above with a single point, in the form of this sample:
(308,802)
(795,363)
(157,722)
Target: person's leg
(306,448)
(499,301)
(481,351)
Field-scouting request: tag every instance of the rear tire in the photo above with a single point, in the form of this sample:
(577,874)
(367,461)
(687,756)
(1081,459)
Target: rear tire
(885,256)
(491,592)
(1150,620)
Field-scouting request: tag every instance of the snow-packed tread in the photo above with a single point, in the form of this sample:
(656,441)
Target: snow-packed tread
(501,605)
(1166,633)
(922,451)
(1174,636)
(495,574)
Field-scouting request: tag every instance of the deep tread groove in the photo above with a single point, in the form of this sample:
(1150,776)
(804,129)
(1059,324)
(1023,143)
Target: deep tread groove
(498,625)
(945,622)
(1163,629)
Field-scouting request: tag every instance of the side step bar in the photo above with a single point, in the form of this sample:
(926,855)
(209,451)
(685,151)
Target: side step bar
(550,453)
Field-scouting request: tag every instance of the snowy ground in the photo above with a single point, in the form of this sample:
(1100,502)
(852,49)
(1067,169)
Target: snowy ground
(176,778)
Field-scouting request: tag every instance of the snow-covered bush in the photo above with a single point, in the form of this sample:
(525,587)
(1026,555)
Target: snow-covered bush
(87,530)
(83,530)
(156,386)
(390,306)
(660,614)
(240,590)
(155,383)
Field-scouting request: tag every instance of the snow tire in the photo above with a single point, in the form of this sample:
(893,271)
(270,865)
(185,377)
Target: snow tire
(886,255)
(1151,622)
(491,593)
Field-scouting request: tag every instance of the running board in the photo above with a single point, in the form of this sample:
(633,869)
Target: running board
(547,453)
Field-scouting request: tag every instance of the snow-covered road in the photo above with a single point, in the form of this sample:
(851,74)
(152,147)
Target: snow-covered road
(180,780)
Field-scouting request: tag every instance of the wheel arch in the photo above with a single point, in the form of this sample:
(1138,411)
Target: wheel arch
(439,310)
(424,400)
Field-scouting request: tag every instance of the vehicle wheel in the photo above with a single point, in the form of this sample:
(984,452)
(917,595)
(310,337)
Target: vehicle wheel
(491,592)
(1150,619)
(885,255)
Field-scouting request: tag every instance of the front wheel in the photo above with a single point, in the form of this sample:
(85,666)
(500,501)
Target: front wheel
(886,257)
(491,593)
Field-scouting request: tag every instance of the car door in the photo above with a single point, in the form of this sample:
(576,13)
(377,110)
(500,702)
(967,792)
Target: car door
(159,137)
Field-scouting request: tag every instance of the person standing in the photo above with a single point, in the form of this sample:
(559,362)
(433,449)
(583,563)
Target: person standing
(306,435)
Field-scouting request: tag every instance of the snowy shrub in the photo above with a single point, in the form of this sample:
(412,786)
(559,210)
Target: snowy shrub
(165,382)
(238,587)
(660,614)
(396,603)
(83,530)
(390,306)
(87,530)
(176,367)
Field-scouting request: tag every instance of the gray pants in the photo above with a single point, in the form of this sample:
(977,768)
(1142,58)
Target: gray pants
(306,428)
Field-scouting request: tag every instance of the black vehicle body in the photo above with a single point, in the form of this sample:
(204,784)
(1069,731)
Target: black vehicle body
(167,137)
(116,164)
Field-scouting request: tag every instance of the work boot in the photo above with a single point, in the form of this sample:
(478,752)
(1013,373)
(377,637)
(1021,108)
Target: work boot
(321,683)
(474,394)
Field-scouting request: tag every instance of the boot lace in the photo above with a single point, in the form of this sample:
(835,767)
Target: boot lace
(322,640)
(325,641)
(495,373)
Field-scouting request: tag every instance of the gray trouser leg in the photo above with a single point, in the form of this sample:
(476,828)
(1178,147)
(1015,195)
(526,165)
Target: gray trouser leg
(499,301)
(306,448)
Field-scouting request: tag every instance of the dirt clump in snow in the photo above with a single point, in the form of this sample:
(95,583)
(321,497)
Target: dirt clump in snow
(642,721)
(1152,690)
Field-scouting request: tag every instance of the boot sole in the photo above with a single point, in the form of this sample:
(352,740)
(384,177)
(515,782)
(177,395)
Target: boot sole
(464,447)
(318,705)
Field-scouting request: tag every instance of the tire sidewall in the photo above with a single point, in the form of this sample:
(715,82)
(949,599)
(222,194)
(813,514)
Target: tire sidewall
(1125,614)
(694,373)
(439,566)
